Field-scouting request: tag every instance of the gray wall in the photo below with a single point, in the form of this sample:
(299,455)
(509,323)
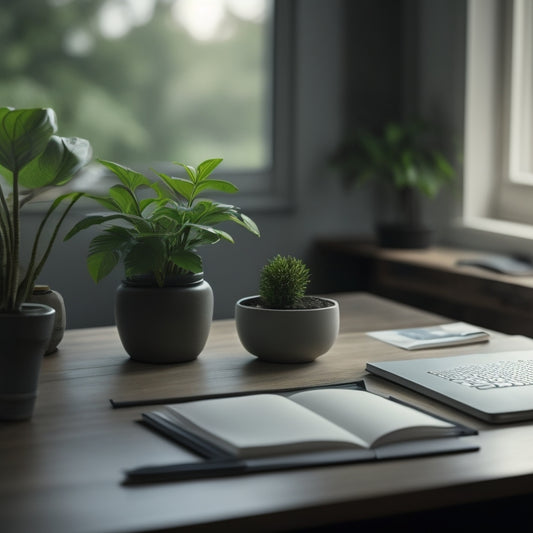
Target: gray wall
(353,61)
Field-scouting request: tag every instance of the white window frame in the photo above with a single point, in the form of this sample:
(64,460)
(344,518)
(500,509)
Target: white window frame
(271,188)
(497,208)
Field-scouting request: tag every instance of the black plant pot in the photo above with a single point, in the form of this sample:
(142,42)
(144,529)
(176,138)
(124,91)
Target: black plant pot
(164,324)
(24,337)
(404,236)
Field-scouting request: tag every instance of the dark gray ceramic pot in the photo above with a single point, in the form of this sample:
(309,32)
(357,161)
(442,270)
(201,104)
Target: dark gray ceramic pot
(24,338)
(286,335)
(164,324)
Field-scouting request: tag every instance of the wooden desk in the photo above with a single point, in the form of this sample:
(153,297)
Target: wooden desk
(62,471)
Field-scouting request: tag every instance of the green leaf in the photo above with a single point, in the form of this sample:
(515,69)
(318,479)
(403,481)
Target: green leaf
(147,254)
(188,261)
(124,199)
(103,255)
(182,186)
(206,167)
(138,223)
(191,171)
(24,134)
(217,185)
(208,235)
(130,178)
(105,201)
(248,223)
(61,159)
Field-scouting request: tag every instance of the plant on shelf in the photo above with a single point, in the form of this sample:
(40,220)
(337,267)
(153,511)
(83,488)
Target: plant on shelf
(282,323)
(402,158)
(32,160)
(154,229)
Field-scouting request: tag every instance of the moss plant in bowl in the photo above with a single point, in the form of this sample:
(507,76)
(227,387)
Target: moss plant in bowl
(282,324)
(164,306)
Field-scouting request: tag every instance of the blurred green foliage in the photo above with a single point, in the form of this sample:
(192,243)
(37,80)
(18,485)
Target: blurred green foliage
(155,94)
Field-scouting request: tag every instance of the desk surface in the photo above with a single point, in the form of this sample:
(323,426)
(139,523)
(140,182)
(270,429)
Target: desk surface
(62,471)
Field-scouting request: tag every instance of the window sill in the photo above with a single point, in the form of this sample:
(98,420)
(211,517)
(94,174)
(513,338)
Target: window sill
(490,234)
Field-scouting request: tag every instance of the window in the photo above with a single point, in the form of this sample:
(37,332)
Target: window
(152,81)
(499,117)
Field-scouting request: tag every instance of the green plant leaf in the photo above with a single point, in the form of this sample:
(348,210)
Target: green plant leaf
(130,178)
(182,186)
(206,168)
(217,185)
(187,261)
(24,134)
(103,255)
(209,235)
(61,159)
(246,222)
(105,201)
(126,202)
(191,171)
(147,254)
(93,220)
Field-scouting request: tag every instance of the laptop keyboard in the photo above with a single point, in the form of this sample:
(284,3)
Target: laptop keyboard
(492,375)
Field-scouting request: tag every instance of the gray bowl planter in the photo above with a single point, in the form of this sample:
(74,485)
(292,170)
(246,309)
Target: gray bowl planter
(286,335)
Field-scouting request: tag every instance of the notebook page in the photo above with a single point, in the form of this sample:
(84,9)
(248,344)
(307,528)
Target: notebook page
(374,419)
(263,424)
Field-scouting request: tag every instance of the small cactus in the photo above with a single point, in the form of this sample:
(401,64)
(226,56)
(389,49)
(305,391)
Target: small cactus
(283,282)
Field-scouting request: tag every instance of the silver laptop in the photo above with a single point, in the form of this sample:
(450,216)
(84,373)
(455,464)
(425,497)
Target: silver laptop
(496,387)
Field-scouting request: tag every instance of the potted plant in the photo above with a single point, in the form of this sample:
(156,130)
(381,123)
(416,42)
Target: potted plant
(401,158)
(32,160)
(282,324)
(163,307)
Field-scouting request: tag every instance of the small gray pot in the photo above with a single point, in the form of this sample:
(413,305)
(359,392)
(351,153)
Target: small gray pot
(164,324)
(286,335)
(24,337)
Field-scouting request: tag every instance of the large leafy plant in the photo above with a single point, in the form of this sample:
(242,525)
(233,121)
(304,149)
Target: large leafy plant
(155,228)
(32,160)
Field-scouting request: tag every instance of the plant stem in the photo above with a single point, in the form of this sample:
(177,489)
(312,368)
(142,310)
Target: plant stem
(33,271)
(6,232)
(15,244)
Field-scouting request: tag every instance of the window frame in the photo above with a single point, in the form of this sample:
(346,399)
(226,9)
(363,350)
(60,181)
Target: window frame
(496,198)
(271,188)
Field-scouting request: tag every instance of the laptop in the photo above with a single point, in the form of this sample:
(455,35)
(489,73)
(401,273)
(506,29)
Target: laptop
(495,387)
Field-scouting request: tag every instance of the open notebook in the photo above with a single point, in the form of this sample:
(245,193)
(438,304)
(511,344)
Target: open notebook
(314,426)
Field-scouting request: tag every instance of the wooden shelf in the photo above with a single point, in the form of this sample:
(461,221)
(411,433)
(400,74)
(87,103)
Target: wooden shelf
(432,280)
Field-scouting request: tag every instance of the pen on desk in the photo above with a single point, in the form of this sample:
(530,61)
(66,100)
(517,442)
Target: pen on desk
(183,471)
(116,404)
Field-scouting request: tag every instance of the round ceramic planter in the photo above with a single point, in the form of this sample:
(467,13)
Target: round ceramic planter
(42,294)
(287,335)
(24,338)
(164,324)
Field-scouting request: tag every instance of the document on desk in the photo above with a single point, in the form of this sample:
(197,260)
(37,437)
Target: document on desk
(453,334)
(317,426)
